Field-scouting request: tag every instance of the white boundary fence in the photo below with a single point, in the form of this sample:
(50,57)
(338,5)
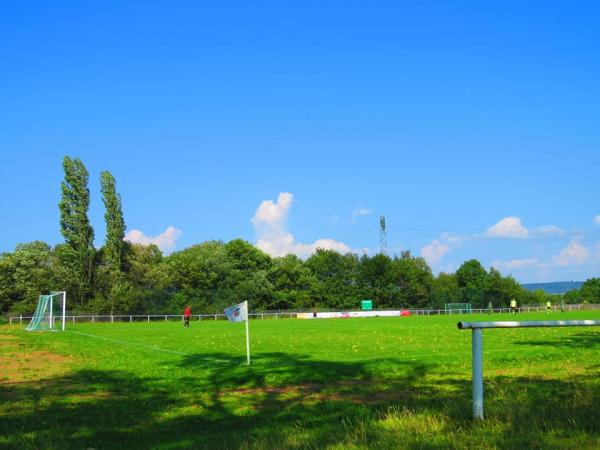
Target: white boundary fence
(100,318)
(280,314)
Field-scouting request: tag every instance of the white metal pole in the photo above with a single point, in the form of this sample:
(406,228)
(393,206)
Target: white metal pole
(247,335)
(477,355)
(64,309)
(51,316)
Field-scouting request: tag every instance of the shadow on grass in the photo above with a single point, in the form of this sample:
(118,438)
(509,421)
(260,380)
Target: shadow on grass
(578,340)
(281,401)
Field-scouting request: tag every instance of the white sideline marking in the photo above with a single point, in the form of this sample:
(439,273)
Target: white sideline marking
(120,341)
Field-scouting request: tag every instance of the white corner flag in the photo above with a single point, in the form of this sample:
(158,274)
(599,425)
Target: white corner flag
(239,313)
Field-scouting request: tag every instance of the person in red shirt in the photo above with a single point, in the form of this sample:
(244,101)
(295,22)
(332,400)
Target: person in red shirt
(186,316)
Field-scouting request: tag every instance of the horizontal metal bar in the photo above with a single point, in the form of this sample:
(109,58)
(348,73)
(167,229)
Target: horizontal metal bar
(528,324)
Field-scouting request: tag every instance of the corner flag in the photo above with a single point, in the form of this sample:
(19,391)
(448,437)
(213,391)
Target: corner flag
(239,313)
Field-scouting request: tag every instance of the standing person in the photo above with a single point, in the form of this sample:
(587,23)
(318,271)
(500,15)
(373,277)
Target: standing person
(513,306)
(186,316)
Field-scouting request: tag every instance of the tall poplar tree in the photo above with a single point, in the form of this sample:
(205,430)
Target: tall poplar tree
(115,232)
(75,225)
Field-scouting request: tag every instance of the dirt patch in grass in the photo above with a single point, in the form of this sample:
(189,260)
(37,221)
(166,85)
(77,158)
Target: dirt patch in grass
(7,337)
(32,366)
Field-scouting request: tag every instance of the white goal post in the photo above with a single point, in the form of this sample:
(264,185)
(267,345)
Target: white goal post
(45,316)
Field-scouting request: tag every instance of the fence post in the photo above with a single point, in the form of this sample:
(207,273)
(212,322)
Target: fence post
(10,319)
(93,317)
(165,317)
(112,319)
(21,319)
(148,318)
(477,350)
(130,319)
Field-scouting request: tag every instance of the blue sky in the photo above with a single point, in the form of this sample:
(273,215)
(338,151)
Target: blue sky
(473,127)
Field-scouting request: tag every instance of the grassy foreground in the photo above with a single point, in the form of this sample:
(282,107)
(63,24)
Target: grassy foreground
(340,383)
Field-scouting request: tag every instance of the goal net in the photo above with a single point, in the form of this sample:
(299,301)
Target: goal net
(458,308)
(49,313)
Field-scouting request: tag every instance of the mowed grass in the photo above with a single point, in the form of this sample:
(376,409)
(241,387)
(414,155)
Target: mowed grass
(338,383)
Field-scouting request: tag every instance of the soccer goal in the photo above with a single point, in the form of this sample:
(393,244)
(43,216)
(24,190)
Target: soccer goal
(458,308)
(49,308)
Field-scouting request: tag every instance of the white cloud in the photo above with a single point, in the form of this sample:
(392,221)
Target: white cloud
(273,215)
(548,230)
(573,254)
(453,238)
(597,219)
(435,251)
(165,240)
(272,236)
(517,264)
(509,227)
(438,248)
(362,212)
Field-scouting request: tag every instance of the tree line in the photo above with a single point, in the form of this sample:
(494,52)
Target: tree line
(126,278)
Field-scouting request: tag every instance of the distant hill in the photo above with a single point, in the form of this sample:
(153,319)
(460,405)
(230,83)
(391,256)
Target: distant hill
(557,287)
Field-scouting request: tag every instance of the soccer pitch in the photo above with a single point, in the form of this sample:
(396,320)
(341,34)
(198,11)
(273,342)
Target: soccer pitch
(332,383)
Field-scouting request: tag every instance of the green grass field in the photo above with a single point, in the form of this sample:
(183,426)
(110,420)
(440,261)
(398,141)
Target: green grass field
(340,383)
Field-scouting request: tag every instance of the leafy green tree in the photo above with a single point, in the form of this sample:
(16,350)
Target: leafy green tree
(248,274)
(115,233)
(413,278)
(538,297)
(75,225)
(144,288)
(573,296)
(375,280)
(472,278)
(444,290)
(245,257)
(24,275)
(590,291)
(198,275)
(292,283)
(335,279)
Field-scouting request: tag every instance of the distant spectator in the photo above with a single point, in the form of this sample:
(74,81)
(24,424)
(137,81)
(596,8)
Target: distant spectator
(186,316)
(548,306)
(513,306)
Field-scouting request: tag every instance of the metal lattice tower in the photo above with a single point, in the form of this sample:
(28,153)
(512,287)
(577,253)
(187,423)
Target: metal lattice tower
(382,236)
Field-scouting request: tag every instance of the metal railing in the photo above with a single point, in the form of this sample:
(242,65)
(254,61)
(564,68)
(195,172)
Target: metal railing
(477,348)
(280,314)
(105,318)
(522,309)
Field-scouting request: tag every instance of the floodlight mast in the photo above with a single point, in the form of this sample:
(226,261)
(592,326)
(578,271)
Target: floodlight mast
(382,236)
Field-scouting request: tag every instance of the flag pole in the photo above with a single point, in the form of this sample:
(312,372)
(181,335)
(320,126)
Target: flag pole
(247,334)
